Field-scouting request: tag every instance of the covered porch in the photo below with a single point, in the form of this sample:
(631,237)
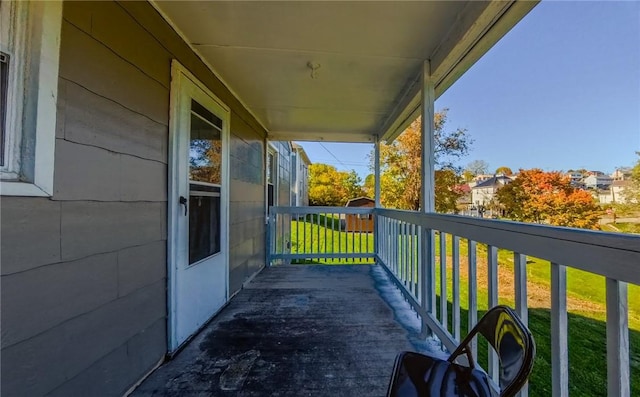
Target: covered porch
(98,281)
(297,331)
(330,73)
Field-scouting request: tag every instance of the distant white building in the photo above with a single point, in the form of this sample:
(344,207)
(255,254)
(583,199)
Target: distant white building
(576,177)
(621,174)
(595,181)
(484,192)
(615,193)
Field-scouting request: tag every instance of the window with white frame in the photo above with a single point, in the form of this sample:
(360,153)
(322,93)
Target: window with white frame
(29,55)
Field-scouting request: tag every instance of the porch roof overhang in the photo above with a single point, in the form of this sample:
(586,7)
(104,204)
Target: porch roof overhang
(368,58)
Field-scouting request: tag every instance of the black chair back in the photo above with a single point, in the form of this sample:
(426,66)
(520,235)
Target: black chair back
(511,340)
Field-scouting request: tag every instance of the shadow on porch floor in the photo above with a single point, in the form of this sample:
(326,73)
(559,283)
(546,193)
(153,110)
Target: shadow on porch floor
(293,331)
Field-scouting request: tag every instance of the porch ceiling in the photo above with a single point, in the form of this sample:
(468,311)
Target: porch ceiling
(370,55)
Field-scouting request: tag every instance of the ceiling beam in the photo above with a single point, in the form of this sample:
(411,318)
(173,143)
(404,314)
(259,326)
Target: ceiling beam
(349,137)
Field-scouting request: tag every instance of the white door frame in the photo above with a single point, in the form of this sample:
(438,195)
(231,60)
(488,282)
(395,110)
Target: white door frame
(182,83)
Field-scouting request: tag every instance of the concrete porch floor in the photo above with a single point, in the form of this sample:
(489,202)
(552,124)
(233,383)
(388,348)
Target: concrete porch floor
(302,330)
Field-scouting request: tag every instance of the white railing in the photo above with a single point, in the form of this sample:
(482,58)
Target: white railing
(405,242)
(614,256)
(328,235)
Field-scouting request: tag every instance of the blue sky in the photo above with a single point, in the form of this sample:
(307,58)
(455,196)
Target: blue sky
(561,90)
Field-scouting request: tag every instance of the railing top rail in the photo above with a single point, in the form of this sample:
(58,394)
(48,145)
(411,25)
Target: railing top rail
(321,210)
(612,255)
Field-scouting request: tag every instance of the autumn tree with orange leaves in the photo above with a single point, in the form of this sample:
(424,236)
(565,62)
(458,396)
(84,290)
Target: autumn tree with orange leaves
(400,163)
(549,198)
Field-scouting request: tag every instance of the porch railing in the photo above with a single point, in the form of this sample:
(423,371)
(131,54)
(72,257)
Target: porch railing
(329,235)
(404,238)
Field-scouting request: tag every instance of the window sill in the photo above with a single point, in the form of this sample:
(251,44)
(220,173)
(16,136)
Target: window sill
(22,189)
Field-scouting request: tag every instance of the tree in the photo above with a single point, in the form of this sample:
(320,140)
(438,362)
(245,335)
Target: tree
(632,191)
(351,183)
(504,170)
(447,190)
(400,178)
(477,167)
(548,197)
(369,187)
(328,186)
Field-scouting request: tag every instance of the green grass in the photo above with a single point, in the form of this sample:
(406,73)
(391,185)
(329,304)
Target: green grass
(586,300)
(587,316)
(628,227)
(310,236)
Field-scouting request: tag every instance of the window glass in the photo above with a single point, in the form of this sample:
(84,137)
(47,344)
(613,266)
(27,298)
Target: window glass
(205,175)
(205,151)
(204,222)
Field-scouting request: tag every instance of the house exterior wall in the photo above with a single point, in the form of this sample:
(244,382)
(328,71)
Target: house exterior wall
(598,181)
(482,195)
(284,172)
(300,179)
(84,272)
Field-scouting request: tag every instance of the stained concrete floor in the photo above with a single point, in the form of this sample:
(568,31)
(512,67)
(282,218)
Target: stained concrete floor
(293,331)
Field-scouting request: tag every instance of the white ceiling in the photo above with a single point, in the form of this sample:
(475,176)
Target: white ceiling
(369,53)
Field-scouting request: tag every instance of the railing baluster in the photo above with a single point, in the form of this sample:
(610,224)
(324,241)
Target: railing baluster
(416,260)
(455,286)
(405,266)
(617,339)
(520,283)
(325,245)
(353,239)
(429,275)
(412,258)
(473,294)
(443,280)
(395,246)
(304,234)
(281,217)
(559,340)
(520,280)
(492,261)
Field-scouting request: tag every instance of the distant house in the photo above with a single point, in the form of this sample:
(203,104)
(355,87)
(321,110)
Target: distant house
(621,174)
(615,193)
(576,178)
(299,176)
(598,181)
(483,193)
(479,179)
(360,222)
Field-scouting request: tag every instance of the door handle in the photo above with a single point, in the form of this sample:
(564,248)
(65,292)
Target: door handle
(183,201)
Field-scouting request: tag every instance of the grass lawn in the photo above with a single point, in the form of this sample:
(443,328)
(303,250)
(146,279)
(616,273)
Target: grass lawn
(308,237)
(622,227)
(585,300)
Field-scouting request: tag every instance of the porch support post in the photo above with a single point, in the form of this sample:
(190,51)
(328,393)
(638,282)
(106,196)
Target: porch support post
(376,168)
(427,193)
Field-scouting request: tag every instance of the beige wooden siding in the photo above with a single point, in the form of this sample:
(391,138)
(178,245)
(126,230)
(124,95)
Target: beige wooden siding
(84,273)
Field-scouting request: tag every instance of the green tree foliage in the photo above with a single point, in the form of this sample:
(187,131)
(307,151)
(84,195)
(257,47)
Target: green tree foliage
(369,188)
(328,186)
(447,190)
(400,178)
(548,197)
